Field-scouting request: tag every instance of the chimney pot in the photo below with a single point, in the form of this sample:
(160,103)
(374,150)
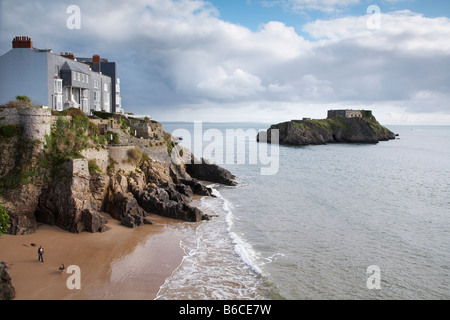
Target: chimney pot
(22,42)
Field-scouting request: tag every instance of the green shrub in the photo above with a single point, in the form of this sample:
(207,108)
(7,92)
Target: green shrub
(5,222)
(93,167)
(20,102)
(66,140)
(145,157)
(24,99)
(103,115)
(114,135)
(134,155)
(9,131)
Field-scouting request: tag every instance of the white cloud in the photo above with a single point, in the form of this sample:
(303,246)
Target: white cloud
(179,55)
(223,85)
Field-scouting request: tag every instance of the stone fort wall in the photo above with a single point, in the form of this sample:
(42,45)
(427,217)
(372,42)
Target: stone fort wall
(345,113)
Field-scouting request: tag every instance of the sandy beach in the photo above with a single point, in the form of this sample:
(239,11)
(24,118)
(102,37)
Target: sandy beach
(121,263)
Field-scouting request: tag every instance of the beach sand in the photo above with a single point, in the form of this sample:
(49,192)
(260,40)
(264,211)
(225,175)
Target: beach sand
(121,263)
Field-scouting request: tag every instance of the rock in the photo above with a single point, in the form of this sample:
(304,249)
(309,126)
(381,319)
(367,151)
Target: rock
(7,291)
(21,205)
(197,187)
(158,202)
(94,221)
(98,186)
(125,208)
(204,170)
(67,202)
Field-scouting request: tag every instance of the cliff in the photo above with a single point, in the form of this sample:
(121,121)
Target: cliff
(88,169)
(332,130)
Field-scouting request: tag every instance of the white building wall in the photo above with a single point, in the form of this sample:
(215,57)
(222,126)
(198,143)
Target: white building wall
(23,71)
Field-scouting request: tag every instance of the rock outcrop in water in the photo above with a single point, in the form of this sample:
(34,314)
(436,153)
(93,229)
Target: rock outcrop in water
(332,130)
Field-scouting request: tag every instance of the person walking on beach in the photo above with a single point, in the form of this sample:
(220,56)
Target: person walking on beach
(41,254)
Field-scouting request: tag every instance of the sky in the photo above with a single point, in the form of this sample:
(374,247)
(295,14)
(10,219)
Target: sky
(256,60)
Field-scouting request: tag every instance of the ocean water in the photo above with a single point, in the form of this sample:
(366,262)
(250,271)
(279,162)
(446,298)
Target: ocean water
(316,227)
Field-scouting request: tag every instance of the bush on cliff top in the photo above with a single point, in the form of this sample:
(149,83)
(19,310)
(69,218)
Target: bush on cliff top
(67,140)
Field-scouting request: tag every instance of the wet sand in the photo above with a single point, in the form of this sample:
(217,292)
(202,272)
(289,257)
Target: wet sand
(121,263)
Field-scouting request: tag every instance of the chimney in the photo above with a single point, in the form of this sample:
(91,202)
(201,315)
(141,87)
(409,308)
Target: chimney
(96,64)
(22,42)
(68,55)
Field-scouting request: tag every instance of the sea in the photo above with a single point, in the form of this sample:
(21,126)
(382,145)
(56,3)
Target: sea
(328,222)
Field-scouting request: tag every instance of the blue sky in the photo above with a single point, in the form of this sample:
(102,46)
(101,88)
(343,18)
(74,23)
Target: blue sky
(256,60)
(253,13)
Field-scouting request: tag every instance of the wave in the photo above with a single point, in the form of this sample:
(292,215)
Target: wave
(218,263)
(242,248)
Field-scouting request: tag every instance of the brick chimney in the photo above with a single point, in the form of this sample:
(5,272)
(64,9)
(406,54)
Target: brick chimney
(68,55)
(96,63)
(22,42)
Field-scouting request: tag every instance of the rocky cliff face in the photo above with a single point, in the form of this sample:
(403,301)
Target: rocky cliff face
(68,202)
(76,200)
(332,130)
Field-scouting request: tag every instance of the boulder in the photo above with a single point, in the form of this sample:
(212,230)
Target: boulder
(7,291)
(157,200)
(125,208)
(207,171)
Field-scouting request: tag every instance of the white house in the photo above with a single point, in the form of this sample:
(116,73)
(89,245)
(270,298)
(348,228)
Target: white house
(57,81)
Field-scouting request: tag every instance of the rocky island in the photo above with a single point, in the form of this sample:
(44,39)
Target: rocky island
(341,126)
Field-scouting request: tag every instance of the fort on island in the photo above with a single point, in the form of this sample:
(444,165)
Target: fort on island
(347,113)
(344,113)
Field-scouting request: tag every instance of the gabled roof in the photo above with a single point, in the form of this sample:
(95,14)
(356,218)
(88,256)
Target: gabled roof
(71,67)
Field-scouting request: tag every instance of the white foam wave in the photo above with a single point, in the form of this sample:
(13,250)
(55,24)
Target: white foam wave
(218,263)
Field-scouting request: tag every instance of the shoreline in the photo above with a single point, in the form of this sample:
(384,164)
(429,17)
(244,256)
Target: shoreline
(119,264)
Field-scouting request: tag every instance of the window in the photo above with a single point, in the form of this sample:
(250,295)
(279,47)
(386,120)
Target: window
(57,86)
(79,76)
(96,84)
(96,95)
(87,79)
(57,102)
(82,77)
(67,93)
(74,76)
(105,87)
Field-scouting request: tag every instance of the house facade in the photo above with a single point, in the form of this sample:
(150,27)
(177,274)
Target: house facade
(104,66)
(57,81)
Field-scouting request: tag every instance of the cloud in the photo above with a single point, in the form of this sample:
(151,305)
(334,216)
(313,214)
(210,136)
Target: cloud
(176,56)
